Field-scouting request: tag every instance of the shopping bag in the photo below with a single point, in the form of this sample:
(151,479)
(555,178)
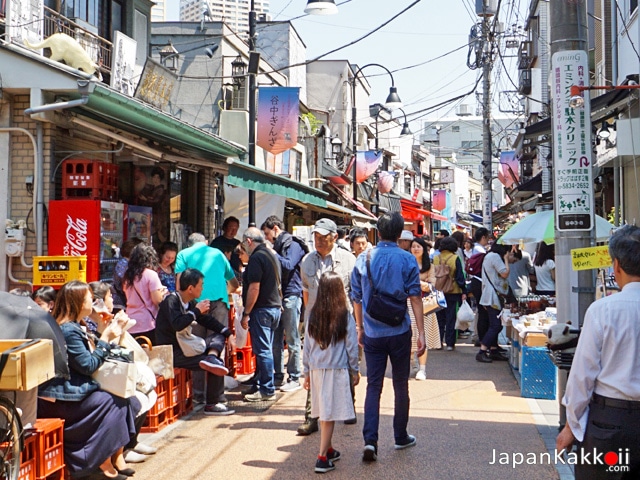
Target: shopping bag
(117,377)
(430,303)
(464,317)
(160,357)
(442,301)
(241,333)
(190,344)
(128,342)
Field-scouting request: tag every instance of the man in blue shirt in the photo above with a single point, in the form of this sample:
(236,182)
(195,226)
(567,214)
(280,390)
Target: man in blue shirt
(395,273)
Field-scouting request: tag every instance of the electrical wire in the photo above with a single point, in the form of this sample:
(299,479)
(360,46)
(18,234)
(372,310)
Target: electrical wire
(624,24)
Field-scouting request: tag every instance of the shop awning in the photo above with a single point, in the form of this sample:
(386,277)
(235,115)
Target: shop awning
(414,211)
(334,210)
(253,178)
(358,206)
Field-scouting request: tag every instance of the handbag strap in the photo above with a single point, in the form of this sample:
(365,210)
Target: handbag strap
(143,303)
(490,282)
(375,290)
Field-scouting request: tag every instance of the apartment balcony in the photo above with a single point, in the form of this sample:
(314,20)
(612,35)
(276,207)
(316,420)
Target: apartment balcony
(527,54)
(525,82)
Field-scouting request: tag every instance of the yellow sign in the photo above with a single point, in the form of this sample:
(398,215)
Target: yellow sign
(590,258)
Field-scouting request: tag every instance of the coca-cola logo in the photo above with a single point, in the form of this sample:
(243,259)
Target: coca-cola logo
(76,235)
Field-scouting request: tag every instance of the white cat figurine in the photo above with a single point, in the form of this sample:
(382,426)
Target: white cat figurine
(65,48)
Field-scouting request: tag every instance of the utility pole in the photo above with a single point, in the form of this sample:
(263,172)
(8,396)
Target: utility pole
(252,109)
(572,168)
(487,64)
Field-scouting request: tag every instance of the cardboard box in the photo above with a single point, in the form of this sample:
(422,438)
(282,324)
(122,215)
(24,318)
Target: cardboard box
(28,366)
(534,339)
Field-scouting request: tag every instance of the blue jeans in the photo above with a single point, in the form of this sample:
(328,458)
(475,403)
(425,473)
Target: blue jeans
(262,325)
(376,351)
(288,327)
(490,338)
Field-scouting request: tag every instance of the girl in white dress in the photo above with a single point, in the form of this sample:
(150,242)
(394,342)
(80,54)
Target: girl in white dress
(330,359)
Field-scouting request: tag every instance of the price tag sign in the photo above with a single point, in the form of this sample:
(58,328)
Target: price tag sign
(571,144)
(590,258)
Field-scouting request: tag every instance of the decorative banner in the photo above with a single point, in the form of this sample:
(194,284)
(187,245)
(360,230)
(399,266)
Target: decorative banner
(123,64)
(590,258)
(368,163)
(571,129)
(385,181)
(278,111)
(439,201)
(508,171)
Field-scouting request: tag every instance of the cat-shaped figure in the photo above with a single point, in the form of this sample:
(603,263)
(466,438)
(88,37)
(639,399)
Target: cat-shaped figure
(67,49)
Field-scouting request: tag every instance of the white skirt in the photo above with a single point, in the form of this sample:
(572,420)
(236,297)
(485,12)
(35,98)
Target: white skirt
(331,398)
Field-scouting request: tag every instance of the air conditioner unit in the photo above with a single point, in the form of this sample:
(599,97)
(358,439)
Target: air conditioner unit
(464,110)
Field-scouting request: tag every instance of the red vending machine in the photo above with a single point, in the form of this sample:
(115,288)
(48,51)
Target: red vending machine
(87,227)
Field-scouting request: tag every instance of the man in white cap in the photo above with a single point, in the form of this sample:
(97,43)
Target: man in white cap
(404,242)
(326,257)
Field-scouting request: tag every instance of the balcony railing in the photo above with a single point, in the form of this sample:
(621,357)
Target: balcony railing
(525,82)
(525,55)
(99,49)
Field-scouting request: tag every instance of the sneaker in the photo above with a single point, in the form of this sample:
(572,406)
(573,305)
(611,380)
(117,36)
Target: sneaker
(251,389)
(144,449)
(132,457)
(214,365)
(421,375)
(351,421)
(309,426)
(324,466)
(409,441)
(501,349)
(449,349)
(249,381)
(483,357)
(333,455)
(218,409)
(370,453)
(497,356)
(291,386)
(259,397)
(278,382)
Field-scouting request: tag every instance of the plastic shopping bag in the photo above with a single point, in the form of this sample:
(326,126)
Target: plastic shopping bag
(465,316)
(241,333)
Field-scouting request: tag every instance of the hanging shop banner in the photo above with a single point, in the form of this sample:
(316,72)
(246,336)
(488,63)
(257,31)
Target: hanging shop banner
(367,163)
(508,171)
(439,201)
(278,110)
(571,129)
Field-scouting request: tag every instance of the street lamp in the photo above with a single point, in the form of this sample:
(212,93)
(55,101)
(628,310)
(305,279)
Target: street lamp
(393,101)
(321,7)
(577,100)
(405,126)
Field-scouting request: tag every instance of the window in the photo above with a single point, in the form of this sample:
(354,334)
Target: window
(455,128)
(633,5)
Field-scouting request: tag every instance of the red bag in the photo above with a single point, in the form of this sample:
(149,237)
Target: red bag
(474,264)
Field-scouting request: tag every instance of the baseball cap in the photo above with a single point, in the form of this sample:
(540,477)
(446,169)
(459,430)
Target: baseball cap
(406,235)
(324,226)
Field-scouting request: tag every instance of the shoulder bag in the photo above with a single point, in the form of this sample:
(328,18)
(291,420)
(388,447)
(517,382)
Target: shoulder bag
(118,374)
(190,344)
(383,307)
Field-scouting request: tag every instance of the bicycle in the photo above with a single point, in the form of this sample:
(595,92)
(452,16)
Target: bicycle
(11,440)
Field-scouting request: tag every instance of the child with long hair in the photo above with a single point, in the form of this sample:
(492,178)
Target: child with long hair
(330,358)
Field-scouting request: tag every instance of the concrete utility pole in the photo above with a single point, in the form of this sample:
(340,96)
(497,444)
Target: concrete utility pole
(252,109)
(573,176)
(487,64)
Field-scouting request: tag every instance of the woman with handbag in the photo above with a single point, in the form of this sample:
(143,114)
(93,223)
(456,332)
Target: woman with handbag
(495,271)
(144,290)
(101,316)
(97,424)
(420,249)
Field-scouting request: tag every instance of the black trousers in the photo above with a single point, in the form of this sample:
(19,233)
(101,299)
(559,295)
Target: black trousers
(483,316)
(611,429)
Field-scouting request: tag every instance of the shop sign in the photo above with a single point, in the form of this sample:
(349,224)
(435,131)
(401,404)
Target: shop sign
(123,63)
(571,129)
(590,258)
(278,111)
(156,85)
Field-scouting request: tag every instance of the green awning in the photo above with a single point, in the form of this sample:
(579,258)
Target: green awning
(253,178)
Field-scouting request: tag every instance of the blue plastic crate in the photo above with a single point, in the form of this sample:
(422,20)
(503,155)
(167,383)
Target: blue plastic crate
(539,374)
(514,354)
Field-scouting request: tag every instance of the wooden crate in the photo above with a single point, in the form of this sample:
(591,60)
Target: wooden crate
(29,365)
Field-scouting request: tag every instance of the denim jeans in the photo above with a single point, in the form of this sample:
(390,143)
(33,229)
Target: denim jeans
(397,348)
(263,322)
(288,327)
(490,338)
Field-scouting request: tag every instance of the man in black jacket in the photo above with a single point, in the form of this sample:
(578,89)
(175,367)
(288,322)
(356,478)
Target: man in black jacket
(178,311)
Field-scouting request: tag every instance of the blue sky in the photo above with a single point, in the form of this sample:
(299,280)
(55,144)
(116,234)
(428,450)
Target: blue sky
(426,31)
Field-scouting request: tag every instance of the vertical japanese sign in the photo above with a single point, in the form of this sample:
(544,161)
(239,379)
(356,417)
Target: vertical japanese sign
(571,130)
(278,110)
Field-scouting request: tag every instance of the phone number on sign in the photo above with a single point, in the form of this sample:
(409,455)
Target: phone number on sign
(573,186)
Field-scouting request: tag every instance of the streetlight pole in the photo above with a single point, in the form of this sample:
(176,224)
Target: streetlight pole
(393,101)
(252,110)
(487,172)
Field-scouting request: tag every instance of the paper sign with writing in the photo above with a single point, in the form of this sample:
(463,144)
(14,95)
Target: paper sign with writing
(590,258)
(278,111)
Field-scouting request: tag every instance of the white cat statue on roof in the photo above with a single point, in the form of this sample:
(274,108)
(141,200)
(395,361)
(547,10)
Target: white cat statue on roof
(67,49)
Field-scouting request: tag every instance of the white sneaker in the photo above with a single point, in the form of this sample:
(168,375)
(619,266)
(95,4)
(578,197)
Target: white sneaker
(144,449)
(132,457)
(291,386)
(421,375)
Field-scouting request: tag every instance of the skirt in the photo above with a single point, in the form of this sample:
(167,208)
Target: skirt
(94,428)
(431,332)
(331,398)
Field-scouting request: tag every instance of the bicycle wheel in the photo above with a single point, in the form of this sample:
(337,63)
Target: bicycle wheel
(10,440)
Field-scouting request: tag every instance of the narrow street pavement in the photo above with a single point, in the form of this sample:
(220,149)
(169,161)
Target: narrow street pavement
(461,415)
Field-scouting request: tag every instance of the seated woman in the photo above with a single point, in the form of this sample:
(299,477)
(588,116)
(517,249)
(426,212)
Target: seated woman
(45,297)
(100,317)
(97,424)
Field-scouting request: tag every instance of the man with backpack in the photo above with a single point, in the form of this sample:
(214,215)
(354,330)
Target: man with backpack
(474,272)
(290,250)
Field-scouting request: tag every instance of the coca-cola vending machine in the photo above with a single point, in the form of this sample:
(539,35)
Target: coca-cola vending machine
(94,228)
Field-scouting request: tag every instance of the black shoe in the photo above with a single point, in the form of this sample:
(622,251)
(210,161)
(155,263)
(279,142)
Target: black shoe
(250,390)
(497,356)
(483,357)
(129,472)
(278,382)
(501,350)
(309,426)
(333,455)
(324,466)
(370,453)
(249,381)
(409,441)
(351,421)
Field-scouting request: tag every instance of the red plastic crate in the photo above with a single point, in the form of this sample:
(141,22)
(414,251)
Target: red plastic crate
(159,415)
(155,423)
(82,178)
(49,447)
(245,361)
(28,458)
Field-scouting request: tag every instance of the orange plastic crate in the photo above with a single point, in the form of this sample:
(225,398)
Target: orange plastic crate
(82,178)
(155,423)
(28,457)
(49,447)
(159,415)
(245,361)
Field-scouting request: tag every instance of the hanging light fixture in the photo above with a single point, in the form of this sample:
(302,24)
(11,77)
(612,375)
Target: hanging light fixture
(604,132)
(321,7)
(169,57)
(238,70)
(393,100)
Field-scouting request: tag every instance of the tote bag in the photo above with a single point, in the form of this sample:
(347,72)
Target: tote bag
(117,377)
(190,344)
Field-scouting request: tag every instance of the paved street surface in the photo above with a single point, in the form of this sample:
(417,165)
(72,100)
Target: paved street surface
(461,415)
